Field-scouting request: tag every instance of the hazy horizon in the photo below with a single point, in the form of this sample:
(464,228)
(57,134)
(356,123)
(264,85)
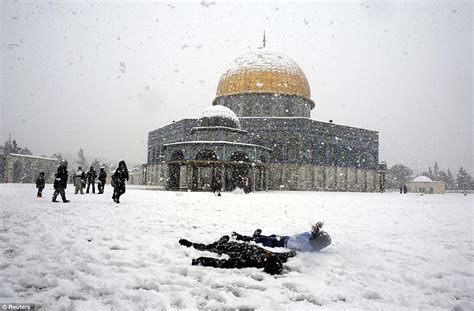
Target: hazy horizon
(102,75)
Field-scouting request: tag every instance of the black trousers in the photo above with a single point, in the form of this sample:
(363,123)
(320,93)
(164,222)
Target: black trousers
(266,240)
(118,191)
(93,187)
(100,186)
(60,191)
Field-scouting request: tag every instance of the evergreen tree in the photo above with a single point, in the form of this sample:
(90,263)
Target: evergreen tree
(11,146)
(449,180)
(95,164)
(82,162)
(436,172)
(398,175)
(58,156)
(463,180)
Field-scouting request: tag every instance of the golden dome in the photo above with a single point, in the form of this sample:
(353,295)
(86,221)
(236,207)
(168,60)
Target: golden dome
(264,71)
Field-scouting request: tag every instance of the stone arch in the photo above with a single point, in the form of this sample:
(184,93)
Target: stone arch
(177,155)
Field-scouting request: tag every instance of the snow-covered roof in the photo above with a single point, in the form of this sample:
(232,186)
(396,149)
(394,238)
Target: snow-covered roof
(265,60)
(422,178)
(33,157)
(219,116)
(264,71)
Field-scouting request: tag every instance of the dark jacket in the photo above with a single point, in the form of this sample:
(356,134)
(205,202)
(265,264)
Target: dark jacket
(60,180)
(40,182)
(102,176)
(119,177)
(242,255)
(91,176)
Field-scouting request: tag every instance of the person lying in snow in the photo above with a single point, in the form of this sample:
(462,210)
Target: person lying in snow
(242,255)
(310,241)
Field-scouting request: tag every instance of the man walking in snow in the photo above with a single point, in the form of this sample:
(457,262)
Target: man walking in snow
(60,182)
(242,255)
(91,176)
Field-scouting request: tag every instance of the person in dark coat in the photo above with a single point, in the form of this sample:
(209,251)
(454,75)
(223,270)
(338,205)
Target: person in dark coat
(405,189)
(60,182)
(91,176)
(118,181)
(101,180)
(40,185)
(216,185)
(309,241)
(242,255)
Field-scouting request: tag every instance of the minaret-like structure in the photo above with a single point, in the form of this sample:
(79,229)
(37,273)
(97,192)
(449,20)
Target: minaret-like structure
(264,40)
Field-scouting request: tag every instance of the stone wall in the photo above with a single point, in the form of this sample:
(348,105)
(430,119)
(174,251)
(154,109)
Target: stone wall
(322,178)
(266,105)
(19,168)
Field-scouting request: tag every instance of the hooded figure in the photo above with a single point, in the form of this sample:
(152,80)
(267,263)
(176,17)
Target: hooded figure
(60,182)
(101,180)
(242,255)
(118,181)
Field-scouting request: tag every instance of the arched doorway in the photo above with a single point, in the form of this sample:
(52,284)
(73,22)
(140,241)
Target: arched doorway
(204,170)
(174,169)
(239,170)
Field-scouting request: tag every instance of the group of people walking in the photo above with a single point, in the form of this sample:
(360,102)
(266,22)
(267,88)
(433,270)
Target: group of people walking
(81,179)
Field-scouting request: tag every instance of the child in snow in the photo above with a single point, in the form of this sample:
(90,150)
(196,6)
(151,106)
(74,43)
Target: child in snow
(310,241)
(40,185)
(242,255)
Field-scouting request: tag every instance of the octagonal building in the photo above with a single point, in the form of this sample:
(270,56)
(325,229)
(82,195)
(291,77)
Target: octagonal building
(258,132)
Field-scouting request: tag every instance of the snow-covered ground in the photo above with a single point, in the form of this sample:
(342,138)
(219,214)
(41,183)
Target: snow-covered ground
(389,251)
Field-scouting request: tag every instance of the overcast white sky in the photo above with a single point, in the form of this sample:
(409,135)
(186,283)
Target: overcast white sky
(102,75)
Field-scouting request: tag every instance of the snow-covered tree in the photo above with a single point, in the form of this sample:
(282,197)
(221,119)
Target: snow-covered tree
(463,180)
(11,146)
(398,175)
(82,162)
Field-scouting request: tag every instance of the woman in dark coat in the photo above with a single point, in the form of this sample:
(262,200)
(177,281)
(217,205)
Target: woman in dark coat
(118,181)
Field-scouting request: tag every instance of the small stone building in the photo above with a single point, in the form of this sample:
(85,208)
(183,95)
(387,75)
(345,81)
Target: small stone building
(423,184)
